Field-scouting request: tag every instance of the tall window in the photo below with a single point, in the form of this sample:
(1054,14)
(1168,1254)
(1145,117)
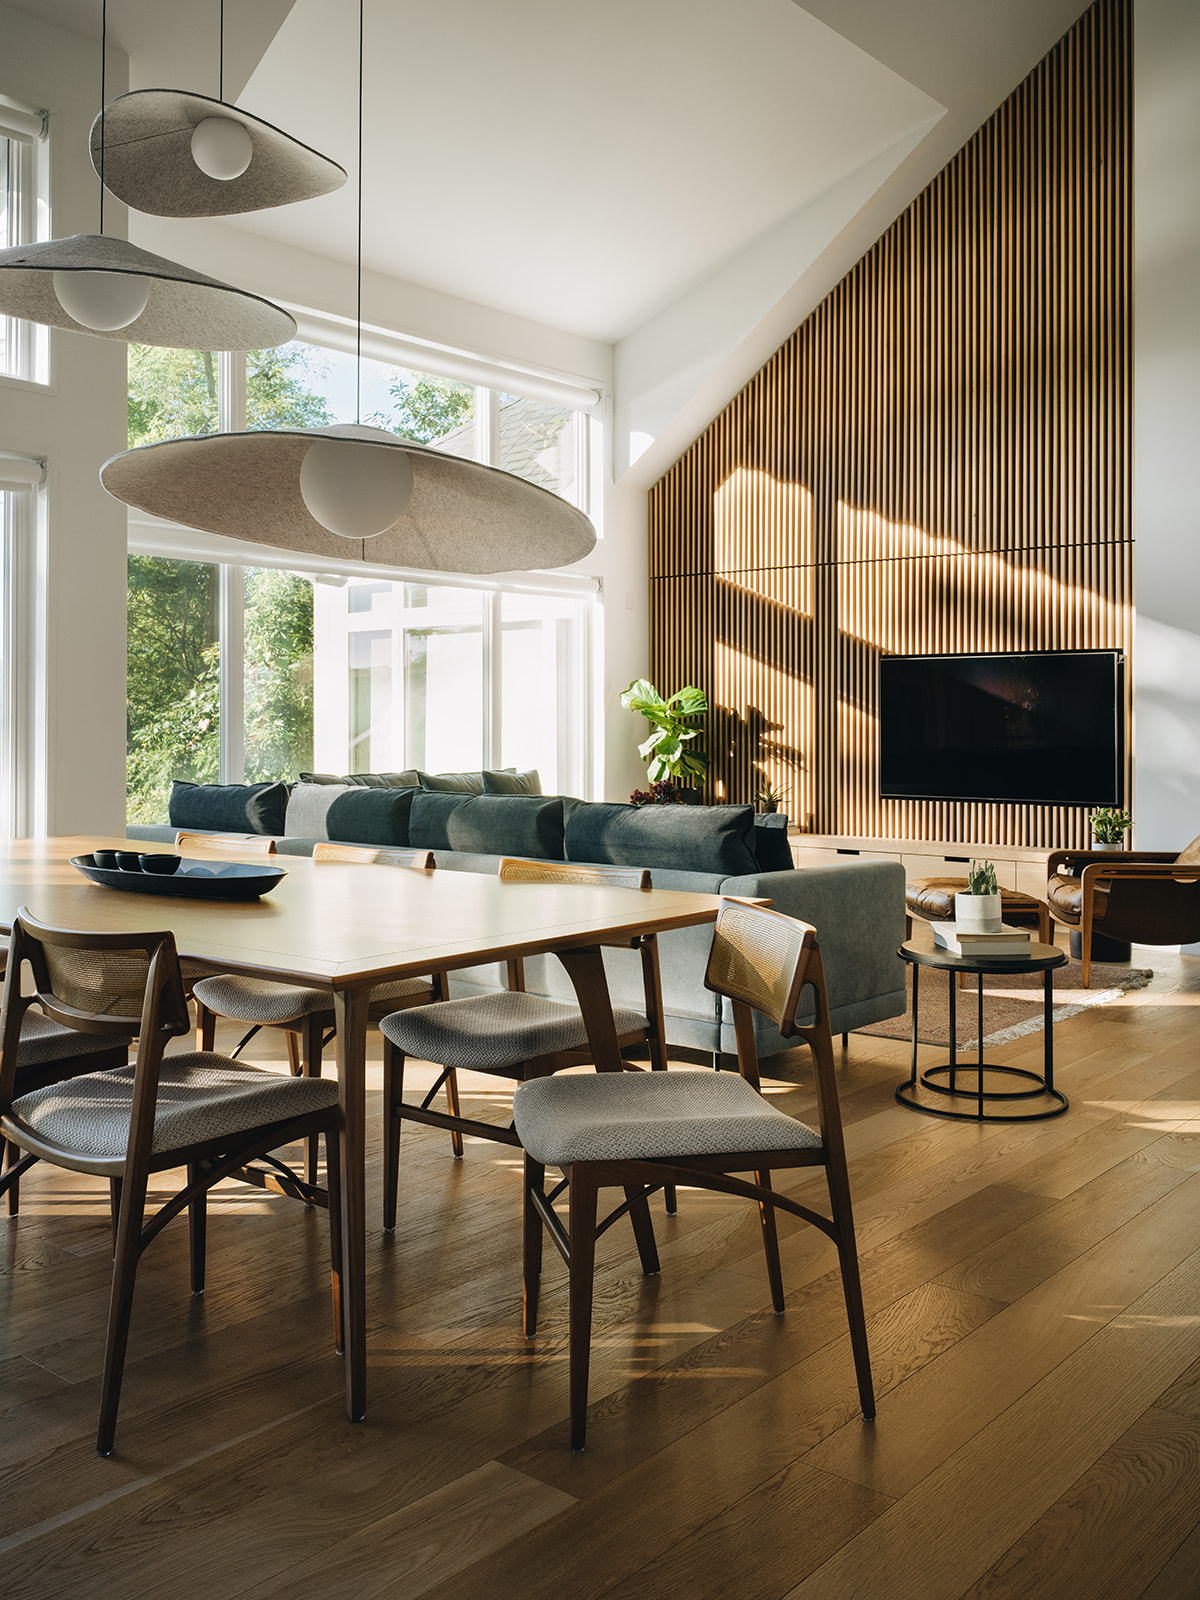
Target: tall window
(20,681)
(23,345)
(247,673)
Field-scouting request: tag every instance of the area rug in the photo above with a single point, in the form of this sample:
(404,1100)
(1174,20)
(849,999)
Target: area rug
(1012,1005)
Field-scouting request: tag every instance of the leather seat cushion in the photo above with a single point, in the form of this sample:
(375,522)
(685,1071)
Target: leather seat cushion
(933,899)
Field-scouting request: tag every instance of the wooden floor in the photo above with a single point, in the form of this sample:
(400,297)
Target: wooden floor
(1033,1297)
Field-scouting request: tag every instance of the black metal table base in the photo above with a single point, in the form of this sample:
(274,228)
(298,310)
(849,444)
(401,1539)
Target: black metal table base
(971,1082)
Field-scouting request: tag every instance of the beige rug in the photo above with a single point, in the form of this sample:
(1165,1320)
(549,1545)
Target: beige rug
(1012,1005)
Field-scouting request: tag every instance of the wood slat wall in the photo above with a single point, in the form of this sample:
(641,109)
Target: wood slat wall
(937,460)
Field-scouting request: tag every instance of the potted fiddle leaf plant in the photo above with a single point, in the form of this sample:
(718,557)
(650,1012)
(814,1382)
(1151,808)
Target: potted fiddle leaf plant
(1109,826)
(977,908)
(669,750)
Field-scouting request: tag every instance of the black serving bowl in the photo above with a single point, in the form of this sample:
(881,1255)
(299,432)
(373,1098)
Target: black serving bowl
(163,865)
(128,861)
(106,859)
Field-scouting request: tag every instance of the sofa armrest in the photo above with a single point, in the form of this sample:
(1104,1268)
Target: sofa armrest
(857,908)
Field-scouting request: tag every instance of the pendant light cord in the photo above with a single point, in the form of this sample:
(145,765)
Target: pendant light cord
(103,63)
(221,56)
(358,312)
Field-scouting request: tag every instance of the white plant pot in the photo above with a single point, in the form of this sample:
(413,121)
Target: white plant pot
(977,913)
(1110,844)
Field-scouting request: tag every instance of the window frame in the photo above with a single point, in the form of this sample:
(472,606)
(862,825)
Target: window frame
(22,646)
(25,132)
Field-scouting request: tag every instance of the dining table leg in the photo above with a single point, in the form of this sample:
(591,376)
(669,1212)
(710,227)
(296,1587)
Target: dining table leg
(351,1007)
(585,968)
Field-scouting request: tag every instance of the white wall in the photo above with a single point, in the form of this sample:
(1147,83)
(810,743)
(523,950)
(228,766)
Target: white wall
(1167,423)
(76,423)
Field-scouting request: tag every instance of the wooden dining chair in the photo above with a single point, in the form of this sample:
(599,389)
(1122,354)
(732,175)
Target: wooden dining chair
(222,844)
(510,1034)
(641,1131)
(305,1015)
(202,1112)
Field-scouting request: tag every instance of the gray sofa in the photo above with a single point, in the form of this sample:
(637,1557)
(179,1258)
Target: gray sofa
(857,908)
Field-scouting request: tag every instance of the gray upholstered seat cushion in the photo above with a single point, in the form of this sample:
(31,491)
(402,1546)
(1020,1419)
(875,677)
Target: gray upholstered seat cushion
(648,1116)
(259,1000)
(489,1032)
(43,1041)
(201,1095)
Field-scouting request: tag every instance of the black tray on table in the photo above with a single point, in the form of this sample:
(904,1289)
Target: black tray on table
(194,880)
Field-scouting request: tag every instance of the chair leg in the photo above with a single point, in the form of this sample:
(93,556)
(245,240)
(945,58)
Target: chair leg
(393,1090)
(531,1275)
(839,1201)
(770,1237)
(10,1154)
(114,1207)
(643,1229)
(583,1194)
(308,1044)
(333,1184)
(293,1050)
(129,1249)
(452,1105)
(197,1231)
(206,1027)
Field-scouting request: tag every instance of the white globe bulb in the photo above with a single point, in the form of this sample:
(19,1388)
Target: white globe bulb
(102,301)
(354,489)
(221,148)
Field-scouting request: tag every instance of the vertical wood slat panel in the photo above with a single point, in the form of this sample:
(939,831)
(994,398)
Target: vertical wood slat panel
(936,461)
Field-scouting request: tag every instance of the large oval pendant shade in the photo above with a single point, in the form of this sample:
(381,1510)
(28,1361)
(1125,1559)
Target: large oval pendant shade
(184,309)
(148,160)
(461,516)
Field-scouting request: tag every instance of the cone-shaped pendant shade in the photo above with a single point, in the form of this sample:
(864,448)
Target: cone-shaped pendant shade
(184,309)
(462,517)
(150,165)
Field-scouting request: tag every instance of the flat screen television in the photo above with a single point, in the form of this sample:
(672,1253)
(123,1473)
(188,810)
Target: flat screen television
(1043,728)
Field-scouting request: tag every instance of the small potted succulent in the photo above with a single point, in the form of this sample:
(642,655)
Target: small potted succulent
(1109,826)
(769,797)
(977,908)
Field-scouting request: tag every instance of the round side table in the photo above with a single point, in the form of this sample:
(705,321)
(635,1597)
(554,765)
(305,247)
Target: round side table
(983,1082)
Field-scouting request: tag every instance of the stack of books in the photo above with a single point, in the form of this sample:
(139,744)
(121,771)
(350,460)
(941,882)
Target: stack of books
(1002,941)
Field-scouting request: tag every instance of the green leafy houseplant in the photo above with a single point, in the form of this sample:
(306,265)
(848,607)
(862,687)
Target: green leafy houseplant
(1109,825)
(981,878)
(668,750)
(769,797)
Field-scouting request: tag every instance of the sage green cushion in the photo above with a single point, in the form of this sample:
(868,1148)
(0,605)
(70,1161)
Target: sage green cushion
(228,807)
(686,838)
(508,825)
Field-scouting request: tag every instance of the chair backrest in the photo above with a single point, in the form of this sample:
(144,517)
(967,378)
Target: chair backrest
(217,844)
(366,855)
(516,870)
(112,984)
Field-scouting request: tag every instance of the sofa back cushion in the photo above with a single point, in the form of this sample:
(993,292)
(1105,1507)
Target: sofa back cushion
(228,807)
(687,838)
(509,782)
(509,825)
(771,847)
(349,813)
(366,780)
(429,821)
(451,782)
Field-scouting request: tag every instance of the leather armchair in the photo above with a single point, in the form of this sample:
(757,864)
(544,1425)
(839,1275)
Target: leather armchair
(1143,896)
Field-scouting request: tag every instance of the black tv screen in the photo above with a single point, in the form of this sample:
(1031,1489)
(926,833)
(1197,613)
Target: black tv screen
(1041,729)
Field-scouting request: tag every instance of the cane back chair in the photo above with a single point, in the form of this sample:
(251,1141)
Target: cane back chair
(197,1110)
(695,1128)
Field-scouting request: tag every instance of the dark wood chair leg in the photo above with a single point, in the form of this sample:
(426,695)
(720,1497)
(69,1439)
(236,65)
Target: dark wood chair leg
(197,1231)
(125,1265)
(583,1194)
(531,1274)
(452,1105)
(393,1091)
(643,1229)
(10,1154)
(333,1184)
(770,1238)
(839,1203)
(293,1049)
(206,1027)
(308,1048)
(114,1207)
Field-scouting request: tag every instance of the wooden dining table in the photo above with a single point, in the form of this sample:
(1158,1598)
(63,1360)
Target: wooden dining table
(345,928)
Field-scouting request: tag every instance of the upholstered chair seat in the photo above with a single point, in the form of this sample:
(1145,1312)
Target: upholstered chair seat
(493,1032)
(258,1000)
